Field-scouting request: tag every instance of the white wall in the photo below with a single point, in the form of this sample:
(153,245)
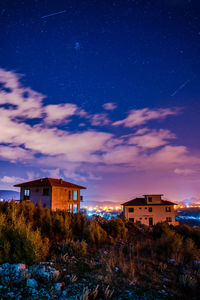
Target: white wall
(142,214)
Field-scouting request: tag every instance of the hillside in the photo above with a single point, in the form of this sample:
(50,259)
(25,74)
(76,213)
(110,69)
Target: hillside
(94,258)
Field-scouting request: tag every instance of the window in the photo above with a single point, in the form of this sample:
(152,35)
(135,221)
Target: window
(70,195)
(45,192)
(26,194)
(71,208)
(150,209)
(140,207)
(140,218)
(168,219)
(150,199)
(75,195)
(131,209)
(168,209)
(75,208)
(145,207)
(131,219)
(145,218)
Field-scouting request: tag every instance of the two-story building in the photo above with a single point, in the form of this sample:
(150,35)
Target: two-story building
(52,193)
(150,210)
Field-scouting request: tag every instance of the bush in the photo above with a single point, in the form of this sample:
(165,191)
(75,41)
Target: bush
(20,243)
(95,234)
(72,248)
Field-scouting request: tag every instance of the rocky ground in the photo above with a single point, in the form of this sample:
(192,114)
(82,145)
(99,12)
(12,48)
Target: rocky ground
(44,281)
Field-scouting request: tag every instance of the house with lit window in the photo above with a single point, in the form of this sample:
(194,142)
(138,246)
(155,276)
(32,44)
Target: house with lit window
(149,210)
(52,193)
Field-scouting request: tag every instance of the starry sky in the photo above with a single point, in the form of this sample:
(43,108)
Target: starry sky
(105,94)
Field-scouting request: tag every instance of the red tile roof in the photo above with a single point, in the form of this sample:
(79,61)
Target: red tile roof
(142,202)
(49,182)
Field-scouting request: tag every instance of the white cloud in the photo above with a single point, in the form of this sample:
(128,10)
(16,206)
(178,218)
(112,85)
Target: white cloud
(57,113)
(109,106)
(151,138)
(14,154)
(11,179)
(138,117)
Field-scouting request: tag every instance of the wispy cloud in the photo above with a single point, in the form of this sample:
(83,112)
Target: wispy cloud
(109,106)
(138,117)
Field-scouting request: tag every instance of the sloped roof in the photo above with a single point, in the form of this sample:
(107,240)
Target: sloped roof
(142,202)
(49,182)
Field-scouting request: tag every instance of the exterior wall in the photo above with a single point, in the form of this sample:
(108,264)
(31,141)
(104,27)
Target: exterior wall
(60,199)
(36,196)
(142,214)
(156,199)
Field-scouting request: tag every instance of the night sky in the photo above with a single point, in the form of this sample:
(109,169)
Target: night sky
(105,94)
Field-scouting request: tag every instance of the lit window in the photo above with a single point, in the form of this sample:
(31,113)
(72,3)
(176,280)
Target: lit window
(75,195)
(75,208)
(131,209)
(26,194)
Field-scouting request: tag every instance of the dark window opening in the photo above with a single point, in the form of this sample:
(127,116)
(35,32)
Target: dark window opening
(150,199)
(131,219)
(45,192)
(168,209)
(140,207)
(70,195)
(150,221)
(131,209)
(150,209)
(168,219)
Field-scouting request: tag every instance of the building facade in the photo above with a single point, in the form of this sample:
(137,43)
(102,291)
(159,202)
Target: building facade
(149,210)
(52,193)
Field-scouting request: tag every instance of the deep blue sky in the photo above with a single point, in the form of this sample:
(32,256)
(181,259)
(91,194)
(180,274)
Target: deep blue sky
(136,54)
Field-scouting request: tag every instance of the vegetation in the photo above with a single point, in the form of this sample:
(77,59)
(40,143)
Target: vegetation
(114,252)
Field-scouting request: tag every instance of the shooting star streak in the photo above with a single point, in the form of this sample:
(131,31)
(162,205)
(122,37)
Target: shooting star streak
(53,14)
(180,88)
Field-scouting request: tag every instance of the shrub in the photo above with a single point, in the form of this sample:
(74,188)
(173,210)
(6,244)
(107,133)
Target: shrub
(72,248)
(95,234)
(116,228)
